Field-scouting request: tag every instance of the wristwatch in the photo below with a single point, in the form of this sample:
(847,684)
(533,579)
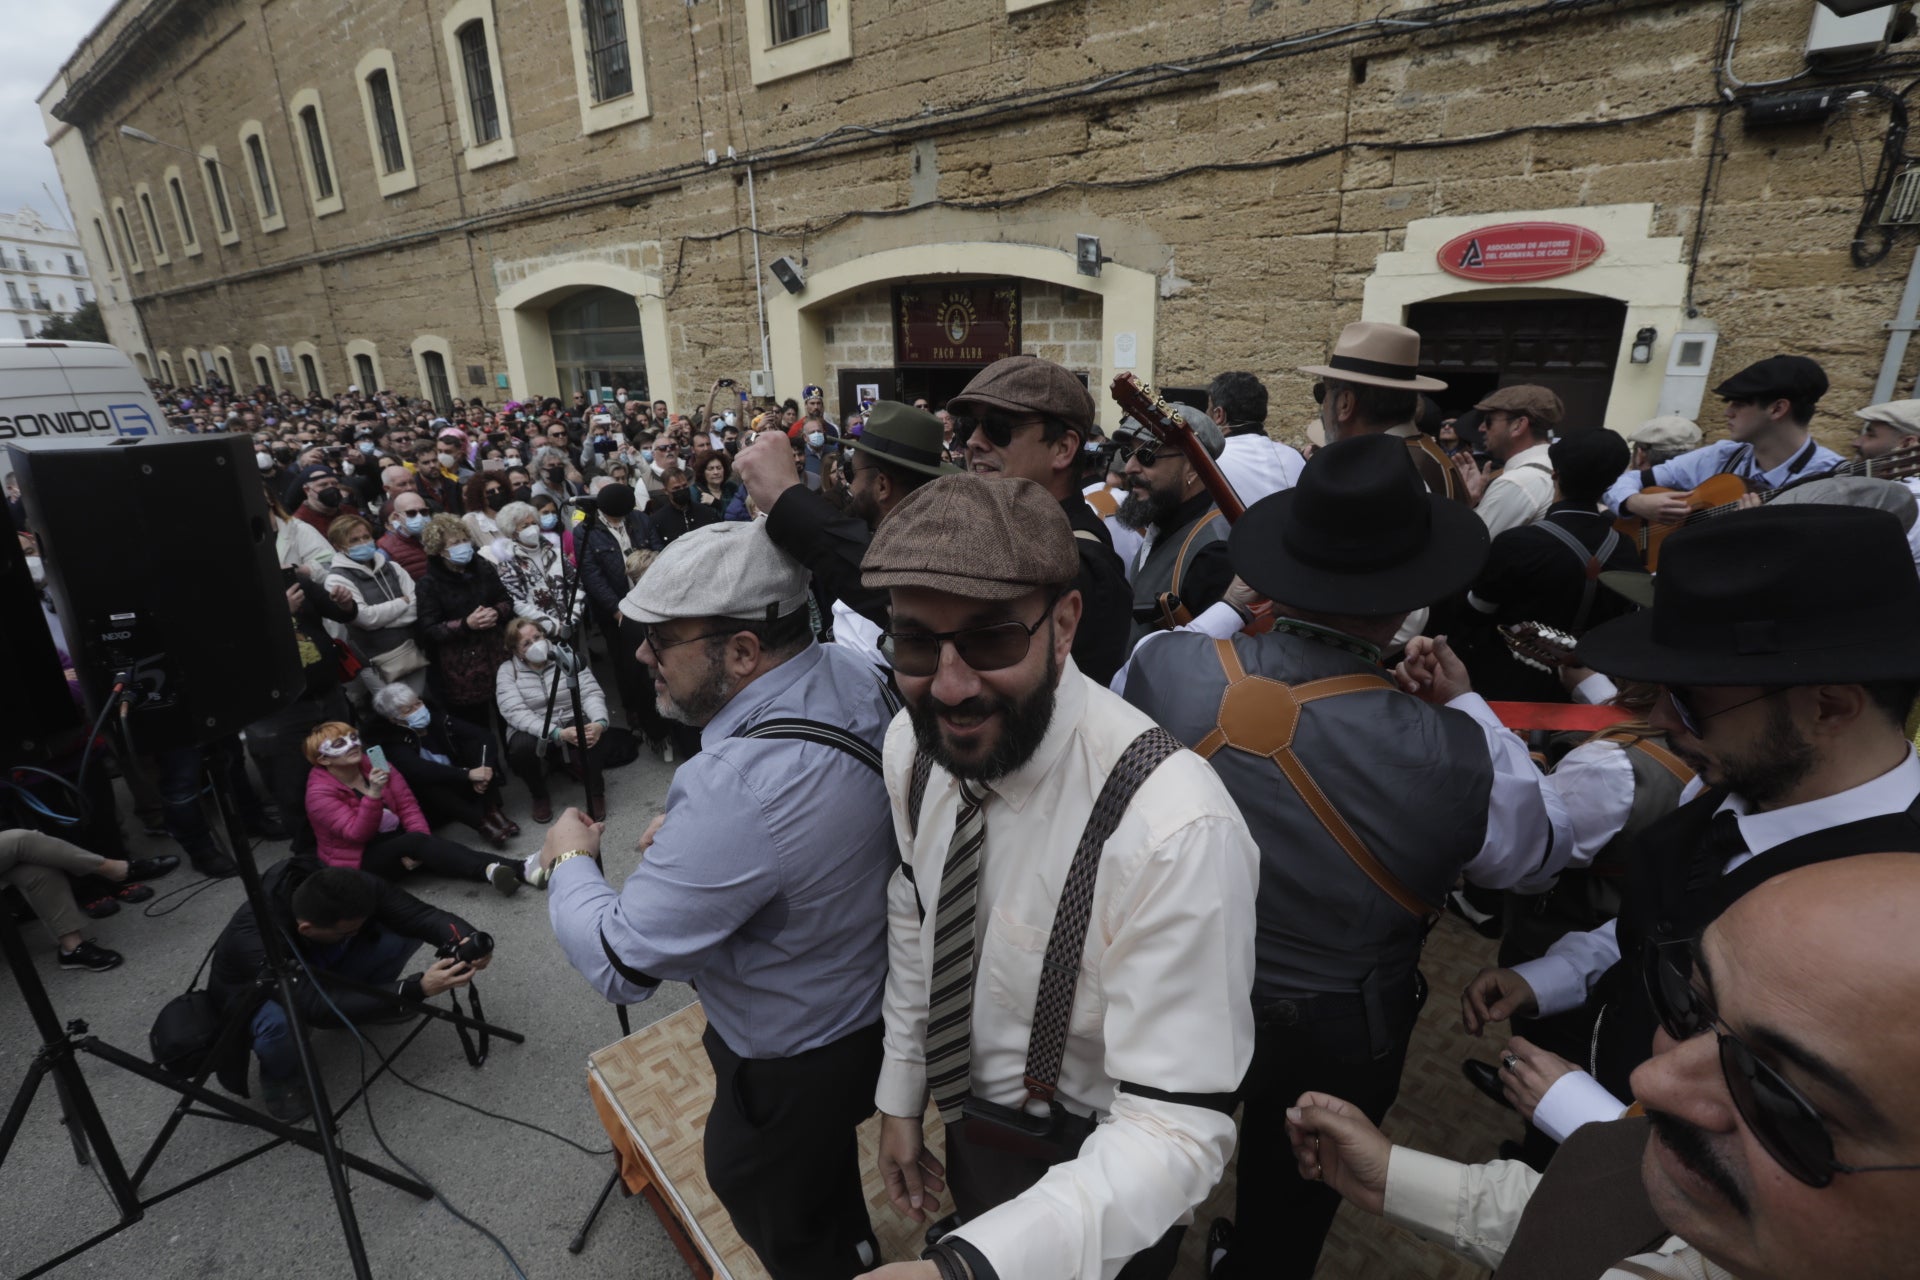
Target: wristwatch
(571,853)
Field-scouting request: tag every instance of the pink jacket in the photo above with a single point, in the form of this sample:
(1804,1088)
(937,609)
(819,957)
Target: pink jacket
(344,820)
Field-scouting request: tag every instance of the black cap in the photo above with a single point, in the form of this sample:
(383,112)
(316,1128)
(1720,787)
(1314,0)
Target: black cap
(1586,463)
(1776,377)
(317,471)
(615,500)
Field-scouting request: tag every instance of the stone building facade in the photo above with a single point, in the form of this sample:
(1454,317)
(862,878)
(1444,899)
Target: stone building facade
(501,197)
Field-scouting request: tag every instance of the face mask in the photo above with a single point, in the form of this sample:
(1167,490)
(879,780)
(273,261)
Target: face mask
(622,397)
(556,475)
(678,497)
(329,498)
(646,455)
(529,535)
(264,461)
(513,460)
(366,446)
(816,439)
(446,460)
(537,653)
(495,500)
(363,553)
(460,553)
(523,493)
(420,719)
(548,520)
(414,524)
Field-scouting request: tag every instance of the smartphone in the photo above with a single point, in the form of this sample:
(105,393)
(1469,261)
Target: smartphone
(377,757)
(726,382)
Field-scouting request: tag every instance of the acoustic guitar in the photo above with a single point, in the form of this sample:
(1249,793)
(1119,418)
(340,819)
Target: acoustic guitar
(1717,495)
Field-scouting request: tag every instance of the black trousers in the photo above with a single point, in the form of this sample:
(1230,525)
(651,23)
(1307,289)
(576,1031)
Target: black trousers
(523,753)
(783,1156)
(435,855)
(445,802)
(1321,1043)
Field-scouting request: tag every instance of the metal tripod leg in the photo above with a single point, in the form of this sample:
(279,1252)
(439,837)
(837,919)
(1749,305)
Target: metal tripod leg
(579,1241)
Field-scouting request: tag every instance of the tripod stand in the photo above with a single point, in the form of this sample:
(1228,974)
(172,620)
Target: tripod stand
(58,1057)
(579,1240)
(568,659)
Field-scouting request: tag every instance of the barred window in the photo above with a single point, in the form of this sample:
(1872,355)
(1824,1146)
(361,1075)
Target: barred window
(261,174)
(793,19)
(179,207)
(393,158)
(219,189)
(479,73)
(317,152)
(153,225)
(606,27)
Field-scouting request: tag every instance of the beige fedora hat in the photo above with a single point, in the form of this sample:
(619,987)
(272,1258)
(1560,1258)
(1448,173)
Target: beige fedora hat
(1379,355)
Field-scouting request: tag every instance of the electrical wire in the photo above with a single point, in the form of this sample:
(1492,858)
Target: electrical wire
(33,801)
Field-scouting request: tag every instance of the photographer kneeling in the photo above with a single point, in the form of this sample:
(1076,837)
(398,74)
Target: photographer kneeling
(342,922)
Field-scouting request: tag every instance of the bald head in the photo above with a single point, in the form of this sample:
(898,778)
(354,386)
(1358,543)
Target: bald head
(397,480)
(1816,972)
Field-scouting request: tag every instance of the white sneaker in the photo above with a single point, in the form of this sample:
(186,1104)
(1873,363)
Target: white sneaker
(536,875)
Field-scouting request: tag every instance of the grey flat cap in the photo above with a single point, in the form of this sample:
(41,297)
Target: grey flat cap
(726,570)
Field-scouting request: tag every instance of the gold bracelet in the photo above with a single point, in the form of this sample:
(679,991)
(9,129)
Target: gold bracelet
(571,853)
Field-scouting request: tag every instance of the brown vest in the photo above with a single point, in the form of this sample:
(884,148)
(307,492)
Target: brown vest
(1590,1210)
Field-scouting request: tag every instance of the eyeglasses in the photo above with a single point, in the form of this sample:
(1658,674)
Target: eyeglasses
(652,640)
(1145,454)
(1782,1119)
(999,429)
(989,648)
(1690,720)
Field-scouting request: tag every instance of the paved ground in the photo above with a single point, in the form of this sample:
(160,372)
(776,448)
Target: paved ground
(274,1216)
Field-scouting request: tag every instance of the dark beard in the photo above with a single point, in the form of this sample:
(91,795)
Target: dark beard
(1137,510)
(1693,1150)
(1777,760)
(1023,725)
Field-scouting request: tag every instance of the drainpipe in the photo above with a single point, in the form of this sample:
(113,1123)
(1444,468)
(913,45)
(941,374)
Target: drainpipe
(760,300)
(1905,321)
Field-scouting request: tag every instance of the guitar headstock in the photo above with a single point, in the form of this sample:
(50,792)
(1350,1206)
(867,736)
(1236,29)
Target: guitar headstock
(1898,465)
(1147,407)
(1539,646)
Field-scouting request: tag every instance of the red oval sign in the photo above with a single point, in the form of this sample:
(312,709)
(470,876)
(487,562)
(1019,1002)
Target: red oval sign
(1513,251)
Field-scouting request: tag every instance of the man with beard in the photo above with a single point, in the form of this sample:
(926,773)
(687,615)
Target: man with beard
(1783,638)
(1083,1070)
(1778,1083)
(1368,802)
(1028,417)
(1168,499)
(764,882)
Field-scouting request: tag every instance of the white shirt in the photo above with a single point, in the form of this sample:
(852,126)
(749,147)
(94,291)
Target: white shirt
(1520,494)
(1475,1209)
(856,631)
(1164,997)
(1526,822)
(1562,978)
(1256,465)
(1126,540)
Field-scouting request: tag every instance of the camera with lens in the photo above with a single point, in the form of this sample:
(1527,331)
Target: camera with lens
(475,946)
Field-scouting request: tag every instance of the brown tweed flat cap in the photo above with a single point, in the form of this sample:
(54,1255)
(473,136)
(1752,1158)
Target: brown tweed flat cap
(975,536)
(1540,404)
(1028,384)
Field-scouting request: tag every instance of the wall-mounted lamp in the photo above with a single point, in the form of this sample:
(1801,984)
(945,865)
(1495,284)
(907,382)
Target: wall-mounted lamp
(787,272)
(1086,255)
(1642,351)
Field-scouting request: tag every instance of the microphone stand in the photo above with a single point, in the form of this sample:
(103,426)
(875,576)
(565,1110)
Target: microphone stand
(569,657)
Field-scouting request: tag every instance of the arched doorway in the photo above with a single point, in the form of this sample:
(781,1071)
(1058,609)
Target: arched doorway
(598,344)
(526,305)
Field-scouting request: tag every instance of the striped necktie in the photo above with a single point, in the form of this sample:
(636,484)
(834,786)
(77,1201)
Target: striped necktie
(950,992)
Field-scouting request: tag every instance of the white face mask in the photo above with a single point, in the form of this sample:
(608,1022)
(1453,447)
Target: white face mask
(264,461)
(529,535)
(537,653)
(446,460)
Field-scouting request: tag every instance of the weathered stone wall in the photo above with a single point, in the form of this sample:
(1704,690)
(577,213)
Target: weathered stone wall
(1260,193)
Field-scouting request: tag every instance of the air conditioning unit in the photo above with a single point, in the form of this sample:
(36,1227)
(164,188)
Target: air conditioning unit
(1902,208)
(1843,30)
(760,382)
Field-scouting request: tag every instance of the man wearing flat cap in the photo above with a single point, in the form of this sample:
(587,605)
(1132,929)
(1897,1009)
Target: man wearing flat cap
(1071,924)
(1661,439)
(1890,431)
(1368,801)
(1519,420)
(1027,417)
(764,882)
(1769,405)
(1782,639)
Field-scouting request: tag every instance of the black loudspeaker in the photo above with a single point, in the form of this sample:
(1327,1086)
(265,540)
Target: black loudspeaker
(38,710)
(160,553)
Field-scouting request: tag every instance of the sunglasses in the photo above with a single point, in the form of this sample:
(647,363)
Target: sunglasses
(1691,720)
(1145,454)
(1782,1119)
(990,648)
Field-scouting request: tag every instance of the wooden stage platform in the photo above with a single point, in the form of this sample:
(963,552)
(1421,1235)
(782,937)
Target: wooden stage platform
(652,1091)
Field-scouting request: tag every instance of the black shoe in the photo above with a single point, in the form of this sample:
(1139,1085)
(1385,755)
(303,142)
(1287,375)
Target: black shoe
(1485,1077)
(285,1100)
(263,826)
(91,957)
(1219,1243)
(214,866)
(151,868)
(101,908)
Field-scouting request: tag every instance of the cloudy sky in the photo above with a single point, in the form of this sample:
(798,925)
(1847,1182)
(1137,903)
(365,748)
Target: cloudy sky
(39,38)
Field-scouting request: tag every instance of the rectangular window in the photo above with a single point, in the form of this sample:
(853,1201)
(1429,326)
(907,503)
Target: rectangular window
(179,207)
(605,23)
(226,371)
(311,372)
(73,266)
(479,72)
(126,232)
(793,19)
(219,190)
(317,152)
(261,368)
(261,174)
(363,369)
(437,389)
(26,328)
(13,294)
(106,247)
(153,225)
(392,157)
(80,294)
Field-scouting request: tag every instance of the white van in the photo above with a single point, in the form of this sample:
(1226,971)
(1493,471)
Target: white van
(72,390)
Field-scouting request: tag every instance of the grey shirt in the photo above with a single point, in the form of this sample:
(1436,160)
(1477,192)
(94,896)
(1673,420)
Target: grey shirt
(767,884)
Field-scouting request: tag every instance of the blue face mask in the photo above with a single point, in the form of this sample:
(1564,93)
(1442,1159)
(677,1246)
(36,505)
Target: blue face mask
(548,520)
(460,552)
(646,455)
(414,524)
(366,446)
(363,553)
(420,719)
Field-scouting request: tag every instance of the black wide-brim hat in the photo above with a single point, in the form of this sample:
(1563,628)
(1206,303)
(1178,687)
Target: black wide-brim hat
(1783,595)
(1358,534)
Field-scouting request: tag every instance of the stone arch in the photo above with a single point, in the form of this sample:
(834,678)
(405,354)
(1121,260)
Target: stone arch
(1128,301)
(522,310)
